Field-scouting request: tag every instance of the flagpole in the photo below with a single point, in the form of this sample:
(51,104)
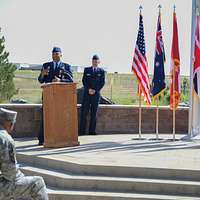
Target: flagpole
(157,99)
(195,9)
(174,110)
(157,118)
(140,114)
(190,124)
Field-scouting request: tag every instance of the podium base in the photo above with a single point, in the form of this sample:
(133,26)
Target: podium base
(61,145)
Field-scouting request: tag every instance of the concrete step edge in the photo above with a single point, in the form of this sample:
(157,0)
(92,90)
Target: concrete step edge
(137,185)
(63,175)
(115,171)
(114,195)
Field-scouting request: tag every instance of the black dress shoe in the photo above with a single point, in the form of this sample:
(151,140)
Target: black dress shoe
(81,134)
(40,143)
(93,133)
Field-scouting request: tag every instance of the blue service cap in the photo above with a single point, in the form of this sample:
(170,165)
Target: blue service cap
(95,57)
(56,49)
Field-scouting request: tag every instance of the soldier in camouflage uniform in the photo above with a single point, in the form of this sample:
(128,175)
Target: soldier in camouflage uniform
(13,184)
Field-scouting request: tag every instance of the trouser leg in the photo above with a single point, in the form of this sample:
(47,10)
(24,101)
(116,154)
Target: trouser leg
(93,114)
(84,112)
(41,131)
(31,187)
(39,190)
(6,189)
(25,188)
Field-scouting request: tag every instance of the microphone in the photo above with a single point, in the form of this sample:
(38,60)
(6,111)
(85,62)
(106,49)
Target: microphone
(61,73)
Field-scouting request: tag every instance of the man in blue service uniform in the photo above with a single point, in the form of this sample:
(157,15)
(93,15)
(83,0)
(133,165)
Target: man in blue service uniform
(55,71)
(93,81)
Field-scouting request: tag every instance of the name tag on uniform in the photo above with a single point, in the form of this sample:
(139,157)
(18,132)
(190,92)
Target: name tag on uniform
(98,74)
(88,74)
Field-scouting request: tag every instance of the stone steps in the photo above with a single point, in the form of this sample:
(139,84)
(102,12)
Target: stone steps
(110,171)
(74,181)
(55,194)
(111,184)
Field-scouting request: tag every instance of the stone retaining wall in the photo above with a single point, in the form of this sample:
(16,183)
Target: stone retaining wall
(111,119)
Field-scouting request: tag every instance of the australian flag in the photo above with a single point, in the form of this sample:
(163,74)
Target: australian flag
(158,82)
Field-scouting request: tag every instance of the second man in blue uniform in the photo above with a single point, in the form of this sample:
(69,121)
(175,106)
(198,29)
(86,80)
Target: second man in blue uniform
(93,81)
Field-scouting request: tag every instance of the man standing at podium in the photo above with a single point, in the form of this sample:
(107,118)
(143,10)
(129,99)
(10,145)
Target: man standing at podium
(55,71)
(93,81)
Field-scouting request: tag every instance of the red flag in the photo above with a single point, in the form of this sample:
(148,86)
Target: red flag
(196,65)
(140,65)
(175,84)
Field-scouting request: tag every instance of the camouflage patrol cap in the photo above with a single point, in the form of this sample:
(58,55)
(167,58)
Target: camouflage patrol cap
(8,115)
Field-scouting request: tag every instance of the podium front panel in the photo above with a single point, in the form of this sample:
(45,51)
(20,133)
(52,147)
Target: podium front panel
(60,115)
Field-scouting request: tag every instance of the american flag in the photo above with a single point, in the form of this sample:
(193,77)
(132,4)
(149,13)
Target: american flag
(140,65)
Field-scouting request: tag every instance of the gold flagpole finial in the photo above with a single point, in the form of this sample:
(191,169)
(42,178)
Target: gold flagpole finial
(197,10)
(159,8)
(140,9)
(174,8)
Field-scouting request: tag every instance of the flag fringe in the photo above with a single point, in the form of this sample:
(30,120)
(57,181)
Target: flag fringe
(143,98)
(159,94)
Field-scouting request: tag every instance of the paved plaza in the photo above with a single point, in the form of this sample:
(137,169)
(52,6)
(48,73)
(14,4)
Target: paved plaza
(123,150)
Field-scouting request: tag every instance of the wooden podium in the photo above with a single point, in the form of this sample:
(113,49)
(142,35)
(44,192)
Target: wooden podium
(60,115)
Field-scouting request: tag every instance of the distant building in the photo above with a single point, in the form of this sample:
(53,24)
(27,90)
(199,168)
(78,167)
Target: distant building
(26,66)
(22,66)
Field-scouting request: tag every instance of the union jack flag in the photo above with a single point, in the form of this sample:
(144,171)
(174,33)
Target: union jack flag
(196,65)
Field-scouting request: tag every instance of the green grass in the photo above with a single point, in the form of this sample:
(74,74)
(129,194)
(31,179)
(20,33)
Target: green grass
(28,88)
(34,74)
(121,88)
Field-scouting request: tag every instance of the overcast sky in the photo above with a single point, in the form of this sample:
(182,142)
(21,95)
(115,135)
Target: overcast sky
(86,27)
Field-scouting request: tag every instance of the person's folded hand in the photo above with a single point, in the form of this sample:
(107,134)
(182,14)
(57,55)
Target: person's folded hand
(91,91)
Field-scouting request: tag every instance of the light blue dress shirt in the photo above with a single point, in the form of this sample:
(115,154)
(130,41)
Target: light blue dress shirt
(54,64)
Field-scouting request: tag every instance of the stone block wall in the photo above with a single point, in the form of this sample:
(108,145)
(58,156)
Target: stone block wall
(115,119)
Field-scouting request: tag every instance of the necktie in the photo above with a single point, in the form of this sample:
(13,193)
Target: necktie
(56,66)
